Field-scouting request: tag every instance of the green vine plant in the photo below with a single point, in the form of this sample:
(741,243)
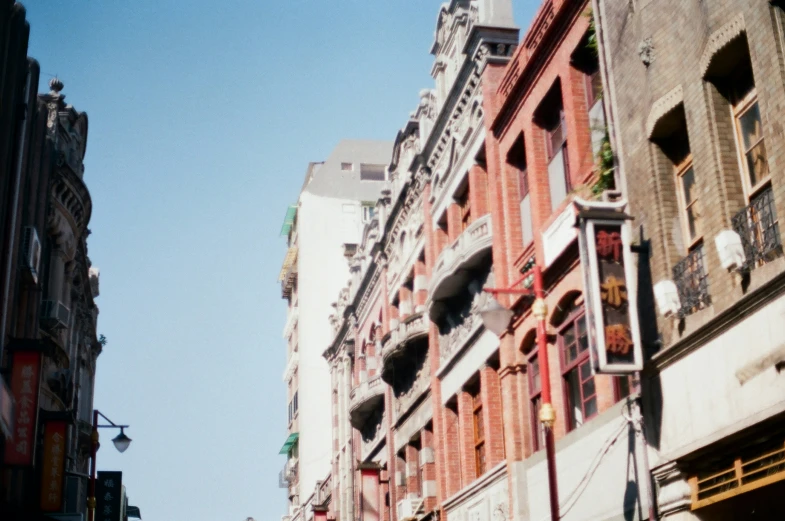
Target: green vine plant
(604,159)
(605,167)
(592,38)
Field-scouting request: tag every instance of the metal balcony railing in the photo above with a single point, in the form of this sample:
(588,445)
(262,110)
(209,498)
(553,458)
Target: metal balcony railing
(757,226)
(689,274)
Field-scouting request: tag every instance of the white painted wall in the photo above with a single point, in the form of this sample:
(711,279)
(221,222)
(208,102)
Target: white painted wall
(324,225)
(593,474)
(693,415)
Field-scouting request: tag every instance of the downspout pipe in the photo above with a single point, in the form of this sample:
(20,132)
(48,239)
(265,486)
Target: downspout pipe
(606,71)
(14,210)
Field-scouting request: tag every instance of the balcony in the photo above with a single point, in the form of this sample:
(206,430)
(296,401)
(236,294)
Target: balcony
(757,226)
(288,272)
(364,400)
(689,275)
(396,342)
(453,267)
(294,359)
(291,320)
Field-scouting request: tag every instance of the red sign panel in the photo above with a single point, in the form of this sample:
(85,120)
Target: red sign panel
(53,466)
(25,372)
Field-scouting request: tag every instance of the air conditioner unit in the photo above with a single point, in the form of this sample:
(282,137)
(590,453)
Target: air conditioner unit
(54,314)
(31,254)
(409,509)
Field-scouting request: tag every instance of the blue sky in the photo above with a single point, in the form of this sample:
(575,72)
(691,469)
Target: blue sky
(203,117)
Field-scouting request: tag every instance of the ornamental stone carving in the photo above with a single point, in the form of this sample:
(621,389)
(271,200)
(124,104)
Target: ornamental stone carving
(462,321)
(646,51)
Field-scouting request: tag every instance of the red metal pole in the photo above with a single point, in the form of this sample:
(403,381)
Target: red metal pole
(93,453)
(547,413)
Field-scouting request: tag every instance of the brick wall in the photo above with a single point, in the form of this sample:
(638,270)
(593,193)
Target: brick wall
(682,33)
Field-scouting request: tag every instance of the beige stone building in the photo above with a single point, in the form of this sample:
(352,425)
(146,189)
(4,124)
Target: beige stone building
(696,90)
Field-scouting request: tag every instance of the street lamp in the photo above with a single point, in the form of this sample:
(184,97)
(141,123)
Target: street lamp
(496,319)
(121,443)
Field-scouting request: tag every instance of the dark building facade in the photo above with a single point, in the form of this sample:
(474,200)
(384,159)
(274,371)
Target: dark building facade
(49,341)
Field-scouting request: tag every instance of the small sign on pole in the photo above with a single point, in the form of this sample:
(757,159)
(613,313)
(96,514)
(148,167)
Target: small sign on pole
(610,287)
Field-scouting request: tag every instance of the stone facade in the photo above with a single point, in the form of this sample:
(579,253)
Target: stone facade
(337,201)
(696,90)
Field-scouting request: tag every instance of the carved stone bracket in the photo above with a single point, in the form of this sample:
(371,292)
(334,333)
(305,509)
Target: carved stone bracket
(675,494)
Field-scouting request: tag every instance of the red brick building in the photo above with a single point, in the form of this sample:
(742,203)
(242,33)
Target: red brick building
(546,130)
(433,414)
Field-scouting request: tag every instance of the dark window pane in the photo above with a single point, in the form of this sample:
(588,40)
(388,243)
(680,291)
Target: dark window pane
(585,368)
(588,388)
(574,398)
(591,407)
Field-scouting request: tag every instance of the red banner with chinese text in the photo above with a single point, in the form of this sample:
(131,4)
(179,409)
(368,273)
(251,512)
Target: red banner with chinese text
(53,466)
(25,373)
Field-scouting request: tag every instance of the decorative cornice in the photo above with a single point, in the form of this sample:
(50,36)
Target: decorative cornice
(719,39)
(663,106)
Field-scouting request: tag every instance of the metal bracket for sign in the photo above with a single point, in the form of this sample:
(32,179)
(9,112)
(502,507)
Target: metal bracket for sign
(591,215)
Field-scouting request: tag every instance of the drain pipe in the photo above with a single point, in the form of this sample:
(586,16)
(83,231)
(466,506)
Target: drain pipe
(14,210)
(606,70)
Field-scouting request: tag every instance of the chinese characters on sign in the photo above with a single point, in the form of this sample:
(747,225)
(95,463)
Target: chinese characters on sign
(26,366)
(109,496)
(613,295)
(611,308)
(53,466)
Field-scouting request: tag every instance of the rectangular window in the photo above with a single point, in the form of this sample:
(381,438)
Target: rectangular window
(748,128)
(347,167)
(577,371)
(372,172)
(293,407)
(596,110)
(464,203)
(535,394)
(688,202)
(516,158)
(369,211)
(753,148)
(479,434)
(558,163)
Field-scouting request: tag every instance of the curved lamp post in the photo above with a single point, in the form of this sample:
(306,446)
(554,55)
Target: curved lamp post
(121,443)
(496,319)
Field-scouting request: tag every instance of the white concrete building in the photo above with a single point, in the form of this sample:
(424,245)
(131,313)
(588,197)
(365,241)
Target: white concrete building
(338,196)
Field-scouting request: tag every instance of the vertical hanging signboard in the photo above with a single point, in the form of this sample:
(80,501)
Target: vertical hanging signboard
(109,496)
(53,468)
(610,287)
(25,372)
